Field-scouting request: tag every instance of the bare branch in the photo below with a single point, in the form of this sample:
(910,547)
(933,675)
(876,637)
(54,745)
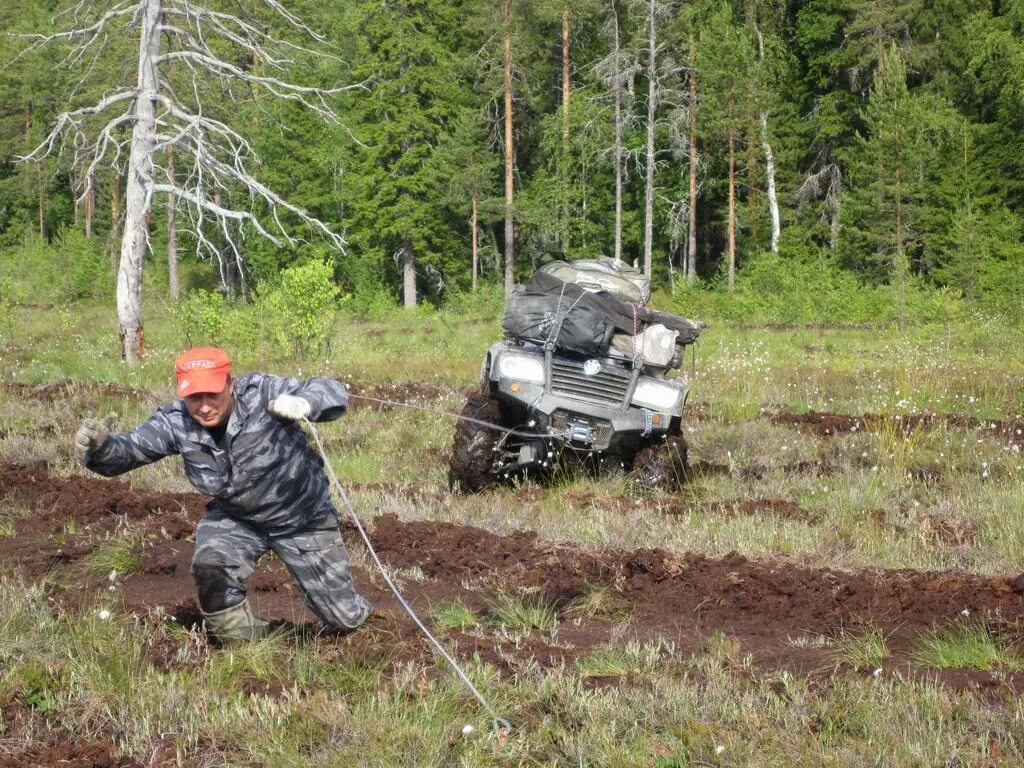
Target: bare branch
(279,88)
(89,33)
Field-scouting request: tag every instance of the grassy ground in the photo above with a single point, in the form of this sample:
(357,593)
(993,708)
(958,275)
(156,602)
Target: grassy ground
(943,497)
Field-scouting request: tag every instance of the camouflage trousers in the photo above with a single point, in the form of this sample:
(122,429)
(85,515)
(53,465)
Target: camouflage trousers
(227,550)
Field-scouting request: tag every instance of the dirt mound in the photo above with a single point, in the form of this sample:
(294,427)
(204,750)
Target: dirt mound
(67,755)
(95,502)
(833,424)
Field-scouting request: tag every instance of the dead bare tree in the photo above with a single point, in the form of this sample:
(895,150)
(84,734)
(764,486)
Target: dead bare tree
(769,156)
(825,182)
(655,13)
(618,70)
(145,120)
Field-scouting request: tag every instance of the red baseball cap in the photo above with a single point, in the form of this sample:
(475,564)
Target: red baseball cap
(202,369)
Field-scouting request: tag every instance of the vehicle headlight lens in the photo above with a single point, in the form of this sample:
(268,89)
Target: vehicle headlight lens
(523,368)
(658,395)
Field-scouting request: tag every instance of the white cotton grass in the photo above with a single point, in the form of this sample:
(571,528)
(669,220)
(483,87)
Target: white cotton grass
(467,729)
(104,614)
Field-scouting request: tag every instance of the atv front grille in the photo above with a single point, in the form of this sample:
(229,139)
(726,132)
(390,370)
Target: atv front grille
(608,386)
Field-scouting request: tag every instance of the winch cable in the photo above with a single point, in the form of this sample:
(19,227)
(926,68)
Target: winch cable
(458,417)
(500,724)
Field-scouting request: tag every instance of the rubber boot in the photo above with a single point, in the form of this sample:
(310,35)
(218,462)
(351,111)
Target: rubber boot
(235,624)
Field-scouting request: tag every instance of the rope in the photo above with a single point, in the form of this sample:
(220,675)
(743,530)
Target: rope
(459,417)
(500,724)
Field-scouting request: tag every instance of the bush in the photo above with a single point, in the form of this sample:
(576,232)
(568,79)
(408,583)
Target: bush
(200,316)
(88,273)
(299,310)
(772,288)
(486,301)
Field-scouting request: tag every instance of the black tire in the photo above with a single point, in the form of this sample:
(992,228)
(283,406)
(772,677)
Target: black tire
(662,465)
(471,468)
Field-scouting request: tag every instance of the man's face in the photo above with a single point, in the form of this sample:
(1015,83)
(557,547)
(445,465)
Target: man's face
(211,409)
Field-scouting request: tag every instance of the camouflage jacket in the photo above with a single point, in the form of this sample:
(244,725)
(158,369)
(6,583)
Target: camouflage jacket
(266,474)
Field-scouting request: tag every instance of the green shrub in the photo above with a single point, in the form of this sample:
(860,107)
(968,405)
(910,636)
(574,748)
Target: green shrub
(200,315)
(487,301)
(87,272)
(300,309)
(773,288)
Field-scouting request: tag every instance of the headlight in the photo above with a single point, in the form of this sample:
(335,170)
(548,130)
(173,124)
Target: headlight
(657,395)
(523,368)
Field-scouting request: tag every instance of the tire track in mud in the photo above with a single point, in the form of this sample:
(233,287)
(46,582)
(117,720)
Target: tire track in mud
(767,606)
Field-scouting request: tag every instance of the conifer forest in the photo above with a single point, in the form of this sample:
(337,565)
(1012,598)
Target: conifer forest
(429,148)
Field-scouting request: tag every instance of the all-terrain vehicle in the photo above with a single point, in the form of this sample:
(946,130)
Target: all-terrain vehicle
(582,378)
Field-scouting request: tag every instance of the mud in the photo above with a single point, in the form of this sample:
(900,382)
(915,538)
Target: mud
(835,424)
(65,754)
(684,597)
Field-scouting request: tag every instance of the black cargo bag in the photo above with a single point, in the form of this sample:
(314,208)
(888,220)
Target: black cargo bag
(571,323)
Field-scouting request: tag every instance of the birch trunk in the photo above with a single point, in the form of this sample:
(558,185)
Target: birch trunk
(769,160)
(732,206)
(173,285)
(691,251)
(89,203)
(408,277)
(476,248)
(138,191)
(565,130)
(651,104)
(509,224)
(115,218)
(42,199)
(769,171)
(618,144)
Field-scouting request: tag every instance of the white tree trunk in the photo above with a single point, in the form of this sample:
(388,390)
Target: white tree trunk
(476,245)
(174,287)
(139,191)
(652,89)
(510,232)
(732,206)
(408,277)
(691,250)
(618,145)
(769,170)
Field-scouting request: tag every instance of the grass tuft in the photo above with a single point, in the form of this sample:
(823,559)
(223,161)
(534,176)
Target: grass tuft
(966,645)
(599,603)
(453,615)
(865,650)
(523,611)
(122,555)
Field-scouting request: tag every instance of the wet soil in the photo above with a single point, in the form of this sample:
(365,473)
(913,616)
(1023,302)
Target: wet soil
(67,754)
(778,611)
(835,424)
(766,606)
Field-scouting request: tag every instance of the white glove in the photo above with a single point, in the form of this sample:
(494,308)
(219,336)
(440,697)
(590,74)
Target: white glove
(90,436)
(289,407)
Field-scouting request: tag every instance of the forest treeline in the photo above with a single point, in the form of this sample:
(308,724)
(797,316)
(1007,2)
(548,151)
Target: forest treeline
(878,141)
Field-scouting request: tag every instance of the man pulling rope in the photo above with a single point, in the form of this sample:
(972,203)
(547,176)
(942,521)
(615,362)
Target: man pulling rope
(241,443)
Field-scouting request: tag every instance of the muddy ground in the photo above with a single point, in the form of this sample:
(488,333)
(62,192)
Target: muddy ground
(778,611)
(771,608)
